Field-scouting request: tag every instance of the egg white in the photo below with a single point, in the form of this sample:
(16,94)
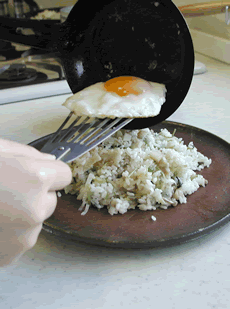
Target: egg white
(95,101)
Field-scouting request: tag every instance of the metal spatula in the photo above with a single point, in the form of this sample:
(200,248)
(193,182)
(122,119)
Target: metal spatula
(82,135)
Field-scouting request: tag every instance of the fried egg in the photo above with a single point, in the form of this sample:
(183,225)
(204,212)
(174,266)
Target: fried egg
(122,97)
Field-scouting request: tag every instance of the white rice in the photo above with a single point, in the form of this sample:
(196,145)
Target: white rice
(137,169)
(47,14)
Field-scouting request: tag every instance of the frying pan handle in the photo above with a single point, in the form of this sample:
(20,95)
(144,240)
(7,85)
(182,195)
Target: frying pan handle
(204,9)
(10,31)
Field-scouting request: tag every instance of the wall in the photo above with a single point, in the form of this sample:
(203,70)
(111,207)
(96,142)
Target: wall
(210,34)
(54,3)
(214,24)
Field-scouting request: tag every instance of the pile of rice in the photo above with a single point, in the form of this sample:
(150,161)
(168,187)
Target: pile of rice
(137,169)
(47,14)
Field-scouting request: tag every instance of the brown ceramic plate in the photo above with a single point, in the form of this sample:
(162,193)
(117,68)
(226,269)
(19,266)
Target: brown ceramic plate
(206,210)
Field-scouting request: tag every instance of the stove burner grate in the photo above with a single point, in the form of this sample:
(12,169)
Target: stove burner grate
(18,72)
(8,51)
(19,75)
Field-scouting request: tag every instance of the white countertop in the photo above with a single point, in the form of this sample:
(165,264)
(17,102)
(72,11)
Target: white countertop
(61,274)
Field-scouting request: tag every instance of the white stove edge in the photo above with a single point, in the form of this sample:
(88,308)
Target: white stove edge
(23,93)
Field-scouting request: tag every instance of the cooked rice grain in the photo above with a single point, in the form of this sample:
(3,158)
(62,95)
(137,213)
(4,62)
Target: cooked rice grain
(139,168)
(47,14)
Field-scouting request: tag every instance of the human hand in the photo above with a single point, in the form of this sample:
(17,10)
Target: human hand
(28,181)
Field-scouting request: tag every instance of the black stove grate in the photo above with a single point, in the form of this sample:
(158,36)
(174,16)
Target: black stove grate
(19,75)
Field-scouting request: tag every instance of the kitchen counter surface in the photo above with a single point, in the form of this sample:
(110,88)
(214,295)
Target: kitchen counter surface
(59,273)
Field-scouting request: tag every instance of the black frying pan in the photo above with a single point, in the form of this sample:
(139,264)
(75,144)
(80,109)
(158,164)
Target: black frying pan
(104,39)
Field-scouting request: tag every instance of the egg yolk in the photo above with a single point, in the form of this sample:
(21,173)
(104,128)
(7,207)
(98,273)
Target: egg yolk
(124,85)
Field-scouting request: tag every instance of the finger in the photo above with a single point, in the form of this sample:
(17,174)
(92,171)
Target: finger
(30,237)
(43,208)
(54,174)
(48,204)
(8,146)
(52,199)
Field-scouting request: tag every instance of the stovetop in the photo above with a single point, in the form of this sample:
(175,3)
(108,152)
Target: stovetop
(27,73)
(27,66)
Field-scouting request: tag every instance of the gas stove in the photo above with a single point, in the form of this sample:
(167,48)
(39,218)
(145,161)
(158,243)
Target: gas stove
(27,73)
